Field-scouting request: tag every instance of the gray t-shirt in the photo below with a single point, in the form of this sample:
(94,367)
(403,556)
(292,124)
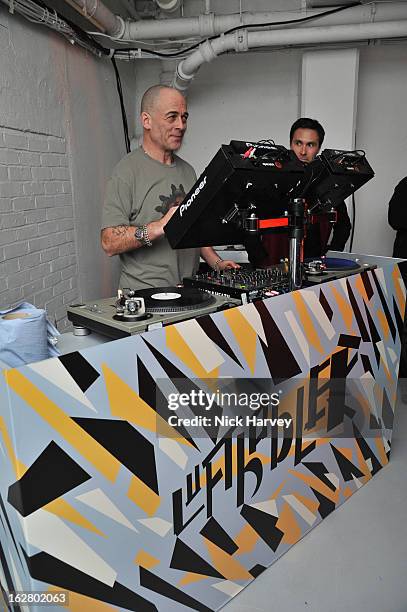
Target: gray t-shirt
(142,190)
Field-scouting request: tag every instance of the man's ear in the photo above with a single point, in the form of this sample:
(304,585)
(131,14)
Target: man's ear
(146,120)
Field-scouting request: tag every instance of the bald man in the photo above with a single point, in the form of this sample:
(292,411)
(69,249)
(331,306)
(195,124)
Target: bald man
(142,195)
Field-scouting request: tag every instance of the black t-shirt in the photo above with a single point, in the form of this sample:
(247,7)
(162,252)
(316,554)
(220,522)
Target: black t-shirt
(397,217)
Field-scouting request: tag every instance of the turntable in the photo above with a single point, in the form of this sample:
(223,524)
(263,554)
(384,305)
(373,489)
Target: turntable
(134,312)
(331,268)
(174,299)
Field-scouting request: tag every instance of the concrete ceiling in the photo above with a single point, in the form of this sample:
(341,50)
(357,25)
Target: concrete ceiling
(147,9)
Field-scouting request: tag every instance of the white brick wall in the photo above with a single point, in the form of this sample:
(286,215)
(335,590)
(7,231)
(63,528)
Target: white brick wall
(38,261)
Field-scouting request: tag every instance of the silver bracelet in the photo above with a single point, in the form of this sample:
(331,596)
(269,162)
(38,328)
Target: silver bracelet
(146,237)
(141,234)
(216,264)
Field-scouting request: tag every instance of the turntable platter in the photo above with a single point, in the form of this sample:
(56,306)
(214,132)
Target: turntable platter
(337,263)
(174,299)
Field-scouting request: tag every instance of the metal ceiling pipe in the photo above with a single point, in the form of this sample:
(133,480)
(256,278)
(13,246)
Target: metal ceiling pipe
(112,24)
(168,6)
(244,40)
(211,25)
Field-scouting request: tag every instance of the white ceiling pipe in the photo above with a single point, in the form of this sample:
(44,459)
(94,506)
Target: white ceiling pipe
(112,24)
(212,25)
(244,40)
(168,6)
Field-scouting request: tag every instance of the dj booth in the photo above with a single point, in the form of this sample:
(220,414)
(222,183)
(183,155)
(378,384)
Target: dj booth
(109,499)
(101,498)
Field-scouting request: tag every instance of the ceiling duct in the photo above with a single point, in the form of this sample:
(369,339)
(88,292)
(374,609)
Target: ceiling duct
(212,25)
(243,40)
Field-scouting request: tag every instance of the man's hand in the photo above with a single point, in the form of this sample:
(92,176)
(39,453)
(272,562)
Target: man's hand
(227,264)
(214,261)
(156,228)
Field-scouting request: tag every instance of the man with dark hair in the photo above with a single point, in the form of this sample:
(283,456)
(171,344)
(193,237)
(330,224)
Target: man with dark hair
(306,138)
(304,123)
(142,195)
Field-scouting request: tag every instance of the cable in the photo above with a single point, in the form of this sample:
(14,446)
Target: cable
(314,177)
(352,234)
(289,21)
(159,42)
(349,157)
(130,54)
(245,27)
(267,141)
(308,185)
(124,117)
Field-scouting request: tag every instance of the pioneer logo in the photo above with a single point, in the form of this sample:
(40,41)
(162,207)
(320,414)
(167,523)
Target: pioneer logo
(261,146)
(188,203)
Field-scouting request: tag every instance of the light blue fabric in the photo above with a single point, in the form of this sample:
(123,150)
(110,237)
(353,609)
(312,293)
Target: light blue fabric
(28,339)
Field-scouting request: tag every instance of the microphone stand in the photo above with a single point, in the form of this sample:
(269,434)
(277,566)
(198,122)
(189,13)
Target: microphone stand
(296,234)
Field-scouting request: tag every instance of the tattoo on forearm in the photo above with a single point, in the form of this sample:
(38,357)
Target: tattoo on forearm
(119,230)
(118,239)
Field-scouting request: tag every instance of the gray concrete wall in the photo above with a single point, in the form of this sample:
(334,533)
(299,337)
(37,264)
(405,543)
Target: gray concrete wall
(381,130)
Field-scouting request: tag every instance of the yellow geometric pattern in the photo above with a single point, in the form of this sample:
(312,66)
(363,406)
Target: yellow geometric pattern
(289,525)
(345,309)
(144,559)
(19,467)
(143,496)
(60,507)
(126,404)
(245,335)
(178,346)
(307,323)
(225,564)
(98,456)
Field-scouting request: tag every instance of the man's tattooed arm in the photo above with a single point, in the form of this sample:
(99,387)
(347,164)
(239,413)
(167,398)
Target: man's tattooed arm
(120,238)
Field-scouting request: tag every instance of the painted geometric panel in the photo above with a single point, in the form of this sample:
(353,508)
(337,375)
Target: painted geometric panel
(125,518)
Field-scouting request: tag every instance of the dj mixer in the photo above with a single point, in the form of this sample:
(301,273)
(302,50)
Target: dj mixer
(243,284)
